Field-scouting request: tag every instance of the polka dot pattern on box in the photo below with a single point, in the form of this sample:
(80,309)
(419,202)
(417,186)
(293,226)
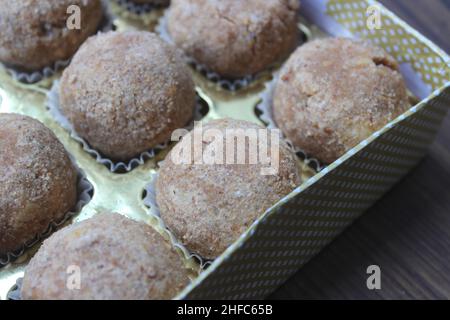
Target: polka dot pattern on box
(304,223)
(404,46)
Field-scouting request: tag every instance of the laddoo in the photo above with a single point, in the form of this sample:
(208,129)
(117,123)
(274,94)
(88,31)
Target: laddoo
(235,38)
(125,92)
(38,182)
(107,257)
(335,92)
(208,205)
(34,33)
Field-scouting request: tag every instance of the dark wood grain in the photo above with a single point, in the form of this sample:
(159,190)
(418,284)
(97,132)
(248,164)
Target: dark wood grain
(407,233)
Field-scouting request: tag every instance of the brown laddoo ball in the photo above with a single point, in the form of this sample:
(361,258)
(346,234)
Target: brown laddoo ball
(34,33)
(126,92)
(38,182)
(208,206)
(335,92)
(235,38)
(113,257)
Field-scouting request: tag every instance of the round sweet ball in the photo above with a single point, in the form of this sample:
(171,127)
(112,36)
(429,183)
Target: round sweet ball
(333,93)
(127,92)
(34,33)
(38,182)
(235,38)
(208,204)
(107,257)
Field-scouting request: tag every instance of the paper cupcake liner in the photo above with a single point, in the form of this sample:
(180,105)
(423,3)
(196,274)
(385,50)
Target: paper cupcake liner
(228,84)
(139,9)
(14,292)
(265,115)
(113,166)
(35,76)
(84,189)
(150,203)
(192,262)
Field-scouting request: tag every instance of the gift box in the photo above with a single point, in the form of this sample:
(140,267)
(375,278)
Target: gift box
(300,225)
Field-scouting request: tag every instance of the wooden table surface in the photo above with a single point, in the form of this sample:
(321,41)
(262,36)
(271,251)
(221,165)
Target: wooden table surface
(407,233)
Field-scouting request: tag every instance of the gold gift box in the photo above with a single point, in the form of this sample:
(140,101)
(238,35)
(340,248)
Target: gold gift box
(299,226)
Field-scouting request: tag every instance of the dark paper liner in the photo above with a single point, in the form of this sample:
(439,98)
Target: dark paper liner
(14,292)
(139,9)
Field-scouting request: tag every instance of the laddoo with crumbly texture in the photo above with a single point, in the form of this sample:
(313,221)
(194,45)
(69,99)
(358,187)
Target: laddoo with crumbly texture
(34,33)
(235,38)
(126,92)
(333,93)
(208,206)
(118,259)
(38,182)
